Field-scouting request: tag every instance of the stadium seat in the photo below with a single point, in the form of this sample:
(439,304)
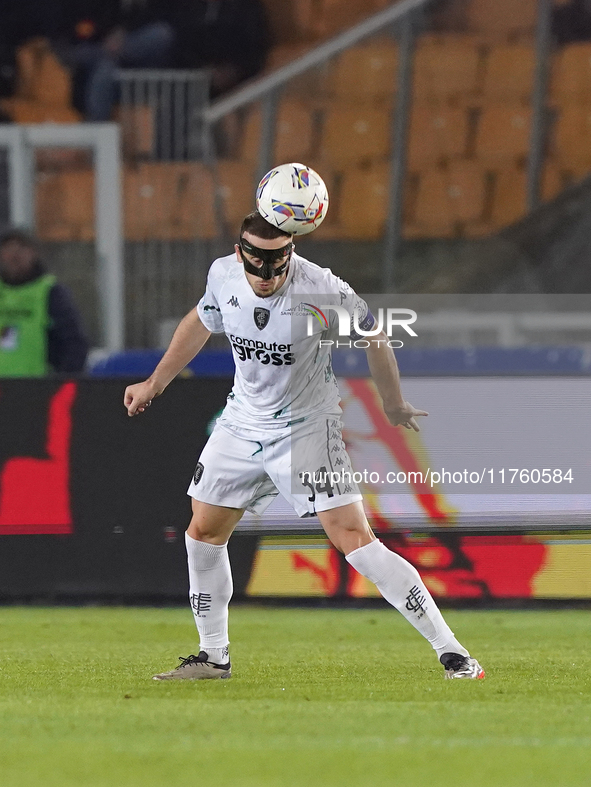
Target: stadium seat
(293,134)
(354,133)
(503,132)
(509,203)
(65,205)
(502,18)
(446,67)
(291,22)
(168,201)
(40,75)
(572,133)
(571,74)
(237,186)
(24,110)
(509,72)
(449,198)
(436,134)
(365,73)
(175,200)
(363,201)
(43,87)
(329,17)
(137,130)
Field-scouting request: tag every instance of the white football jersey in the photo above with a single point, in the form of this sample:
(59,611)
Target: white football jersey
(282,374)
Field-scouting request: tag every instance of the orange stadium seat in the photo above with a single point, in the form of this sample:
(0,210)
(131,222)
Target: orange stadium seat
(436,133)
(354,134)
(137,130)
(364,201)
(509,72)
(509,202)
(449,198)
(503,132)
(43,89)
(329,17)
(40,75)
(237,183)
(293,21)
(24,110)
(502,18)
(571,74)
(446,67)
(572,133)
(293,133)
(65,205)
(168,201)
(175,200)
(365,73)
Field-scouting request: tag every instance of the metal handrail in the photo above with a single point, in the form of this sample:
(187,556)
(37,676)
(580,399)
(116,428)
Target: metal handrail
(270,83)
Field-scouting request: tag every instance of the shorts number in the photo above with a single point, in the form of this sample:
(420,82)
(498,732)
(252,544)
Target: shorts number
(323,484)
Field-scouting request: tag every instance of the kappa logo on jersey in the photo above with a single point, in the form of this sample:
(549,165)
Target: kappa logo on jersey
(264,352)
(234,301)
(198,473)
(261,317)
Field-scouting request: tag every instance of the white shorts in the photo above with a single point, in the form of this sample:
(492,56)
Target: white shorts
(306,462)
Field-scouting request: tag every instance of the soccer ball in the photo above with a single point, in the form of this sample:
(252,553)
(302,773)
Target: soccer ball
(293,198)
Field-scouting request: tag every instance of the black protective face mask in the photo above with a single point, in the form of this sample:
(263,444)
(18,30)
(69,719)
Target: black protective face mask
(268,257)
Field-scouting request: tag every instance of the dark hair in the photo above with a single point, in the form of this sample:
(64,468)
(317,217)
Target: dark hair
(20,235)
(256,225)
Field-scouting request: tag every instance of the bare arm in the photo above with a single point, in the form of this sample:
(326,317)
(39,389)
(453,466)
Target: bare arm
(384,370)
(188,339)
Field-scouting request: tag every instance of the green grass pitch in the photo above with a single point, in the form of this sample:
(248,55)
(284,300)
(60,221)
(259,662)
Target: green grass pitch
(319,697)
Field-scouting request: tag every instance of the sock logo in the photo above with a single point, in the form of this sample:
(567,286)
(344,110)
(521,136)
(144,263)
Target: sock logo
(415,601)
(201,602)
(198,473)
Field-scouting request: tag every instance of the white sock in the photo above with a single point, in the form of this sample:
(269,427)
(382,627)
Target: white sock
(400,584)
(210,591)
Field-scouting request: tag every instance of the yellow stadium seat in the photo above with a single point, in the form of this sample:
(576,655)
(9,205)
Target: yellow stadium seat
(446,67)
(503,132)
(293,133)
(365,73)
(509,72)
(354,134)
(436,134)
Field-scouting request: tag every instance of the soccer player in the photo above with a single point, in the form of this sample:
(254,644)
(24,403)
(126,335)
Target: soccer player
(280,429)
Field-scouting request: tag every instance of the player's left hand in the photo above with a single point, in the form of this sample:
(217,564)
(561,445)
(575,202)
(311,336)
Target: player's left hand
(404,415)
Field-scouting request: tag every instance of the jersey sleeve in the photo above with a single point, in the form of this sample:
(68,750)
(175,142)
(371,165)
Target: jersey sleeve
(208,307)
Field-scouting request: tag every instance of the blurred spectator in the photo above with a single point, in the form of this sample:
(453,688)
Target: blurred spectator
(229,36)
(96,37)
(572,22)
(40,327)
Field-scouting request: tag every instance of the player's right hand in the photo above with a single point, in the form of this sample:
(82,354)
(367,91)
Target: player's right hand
(139,396)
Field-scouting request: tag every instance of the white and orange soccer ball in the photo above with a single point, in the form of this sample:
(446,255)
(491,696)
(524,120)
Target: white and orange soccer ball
(293,198)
